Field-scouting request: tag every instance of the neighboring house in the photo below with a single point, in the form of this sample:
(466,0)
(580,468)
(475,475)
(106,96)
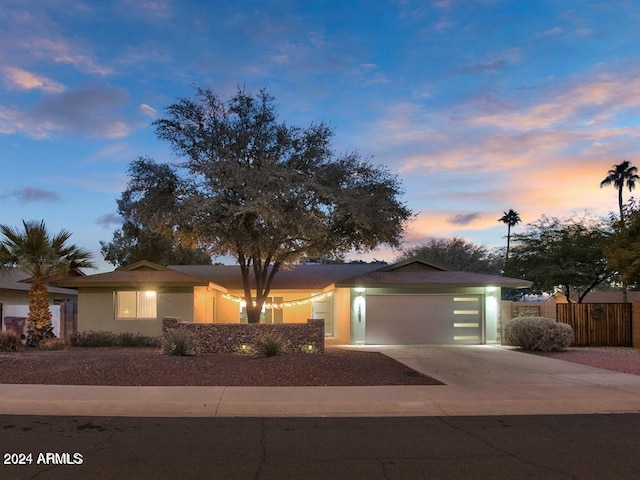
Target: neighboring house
(413,302)
(14,294)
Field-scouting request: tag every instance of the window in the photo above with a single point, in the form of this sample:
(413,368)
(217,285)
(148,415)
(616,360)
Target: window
(268,315)
(132,304)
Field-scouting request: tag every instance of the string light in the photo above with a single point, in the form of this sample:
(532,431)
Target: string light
(281,305)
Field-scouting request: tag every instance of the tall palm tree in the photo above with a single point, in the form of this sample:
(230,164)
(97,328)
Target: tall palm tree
(44,257)
(620,175)
(511,219)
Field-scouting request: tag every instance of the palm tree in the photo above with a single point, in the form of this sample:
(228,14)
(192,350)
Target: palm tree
(511,219)
(44,257)
(619,176)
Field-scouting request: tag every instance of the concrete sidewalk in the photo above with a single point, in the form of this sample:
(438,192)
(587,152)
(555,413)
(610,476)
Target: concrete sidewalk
(480,380)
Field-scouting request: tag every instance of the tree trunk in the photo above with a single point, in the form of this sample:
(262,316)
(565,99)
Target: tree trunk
(621,207)
(253,313)
(39,326)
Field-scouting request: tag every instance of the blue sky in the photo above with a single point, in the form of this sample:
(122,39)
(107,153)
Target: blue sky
(478,106)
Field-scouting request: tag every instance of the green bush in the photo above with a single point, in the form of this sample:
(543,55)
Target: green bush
(538,334)
(179,343)
(137,340)
(92,338)
(268,345)
(52,344)
(10,342)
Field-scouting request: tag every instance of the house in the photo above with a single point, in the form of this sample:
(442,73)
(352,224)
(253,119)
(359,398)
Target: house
(14,297)
(413,302)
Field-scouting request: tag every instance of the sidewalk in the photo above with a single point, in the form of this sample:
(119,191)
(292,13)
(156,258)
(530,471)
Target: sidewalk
(480,380)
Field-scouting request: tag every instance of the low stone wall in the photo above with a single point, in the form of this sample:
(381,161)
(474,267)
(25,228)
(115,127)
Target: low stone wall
(236,337)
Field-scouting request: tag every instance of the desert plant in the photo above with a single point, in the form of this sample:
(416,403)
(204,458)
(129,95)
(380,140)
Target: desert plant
(52,344)
(44,257)
(538,333)
(179,343)
(10,342)
(268,345)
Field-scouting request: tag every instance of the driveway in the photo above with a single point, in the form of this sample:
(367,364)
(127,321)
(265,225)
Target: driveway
(484,379)
(479,380)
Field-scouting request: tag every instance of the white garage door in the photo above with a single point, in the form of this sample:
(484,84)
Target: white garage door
(423,319)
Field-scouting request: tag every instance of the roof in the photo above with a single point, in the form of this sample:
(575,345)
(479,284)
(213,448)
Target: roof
(388,278)
(297,277)
(140,274)
(16,280)
(302,277)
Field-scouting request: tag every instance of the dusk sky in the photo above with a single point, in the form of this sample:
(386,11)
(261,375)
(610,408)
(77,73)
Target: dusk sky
(478,106)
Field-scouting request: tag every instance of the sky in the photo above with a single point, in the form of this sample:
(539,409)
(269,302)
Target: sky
(478,106)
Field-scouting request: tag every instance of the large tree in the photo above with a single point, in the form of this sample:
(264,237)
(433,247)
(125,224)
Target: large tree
(155,241)
(456,253)
(620,175)
(565,255)
(44,257)
(510,219)
(622,251)
(268,193)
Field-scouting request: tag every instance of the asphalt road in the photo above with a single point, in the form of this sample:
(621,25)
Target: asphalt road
(511,447)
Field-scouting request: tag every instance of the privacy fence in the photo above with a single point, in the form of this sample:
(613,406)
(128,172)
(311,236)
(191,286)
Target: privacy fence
(598,324)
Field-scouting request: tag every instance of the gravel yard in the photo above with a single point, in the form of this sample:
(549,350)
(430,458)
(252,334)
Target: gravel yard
(617,359)
(336,367)
(147,366)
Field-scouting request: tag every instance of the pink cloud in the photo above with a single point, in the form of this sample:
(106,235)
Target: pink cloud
(17,78)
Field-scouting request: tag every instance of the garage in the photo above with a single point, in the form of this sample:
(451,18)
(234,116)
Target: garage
(411,319)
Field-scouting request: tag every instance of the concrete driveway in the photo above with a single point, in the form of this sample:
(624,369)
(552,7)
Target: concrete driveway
(494,380)
(480,380)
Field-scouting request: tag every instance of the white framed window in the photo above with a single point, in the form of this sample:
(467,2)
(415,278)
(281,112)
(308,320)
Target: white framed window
(270,314)
(136,304)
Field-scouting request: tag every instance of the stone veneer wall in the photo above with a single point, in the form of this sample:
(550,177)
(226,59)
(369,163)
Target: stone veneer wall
(230,337)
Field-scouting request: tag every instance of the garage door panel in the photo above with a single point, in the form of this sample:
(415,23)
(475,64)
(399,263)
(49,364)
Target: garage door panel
(423,319)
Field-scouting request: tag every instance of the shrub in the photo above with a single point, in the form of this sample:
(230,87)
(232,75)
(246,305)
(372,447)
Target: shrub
(92,338)
(538,333)
(136,340)
(179,343)
(268,345)
(10,342)
(52,344)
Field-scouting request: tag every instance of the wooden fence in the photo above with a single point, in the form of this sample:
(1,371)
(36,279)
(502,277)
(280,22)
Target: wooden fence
(597,324)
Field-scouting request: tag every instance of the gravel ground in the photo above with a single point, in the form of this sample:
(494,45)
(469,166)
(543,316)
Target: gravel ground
(618,359)
(147,366)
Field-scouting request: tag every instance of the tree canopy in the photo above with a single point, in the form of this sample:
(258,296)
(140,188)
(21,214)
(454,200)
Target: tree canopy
(623,248)
(146,233)
(458,254)
(620,175)
(265,192)
(510,219)
(564,254)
